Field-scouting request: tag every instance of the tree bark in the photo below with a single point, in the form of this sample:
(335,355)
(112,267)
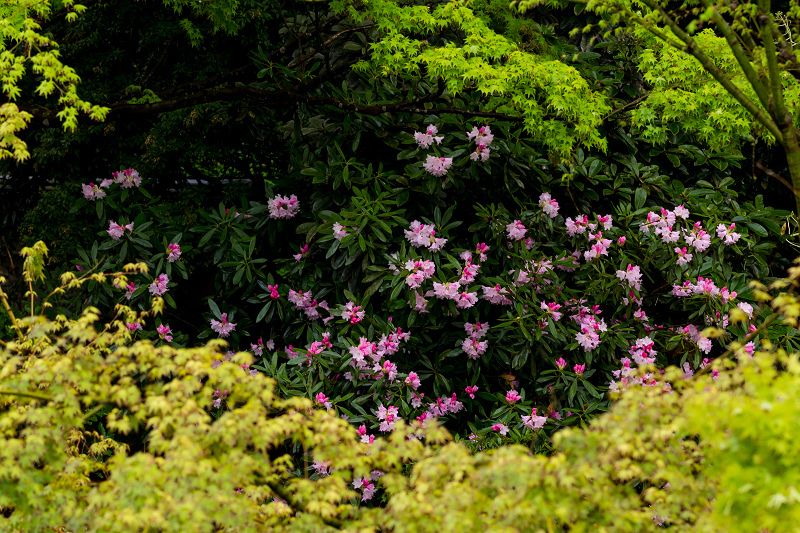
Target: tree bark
(791,147)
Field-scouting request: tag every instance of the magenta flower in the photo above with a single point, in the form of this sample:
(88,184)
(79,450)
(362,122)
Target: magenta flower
(223,328)
(303,252)
(133,326)
(129,290)
(579,369)
(173,252)
(413,380)
(164,332)
(323,401)
(273,292)
(501,428)
(159,285)
(560,363)
(471,390)
(512,396)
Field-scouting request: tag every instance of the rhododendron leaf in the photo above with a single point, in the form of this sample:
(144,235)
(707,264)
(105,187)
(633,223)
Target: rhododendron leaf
(214,309)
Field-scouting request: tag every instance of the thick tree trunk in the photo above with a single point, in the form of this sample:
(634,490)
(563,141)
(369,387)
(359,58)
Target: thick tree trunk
(792,148)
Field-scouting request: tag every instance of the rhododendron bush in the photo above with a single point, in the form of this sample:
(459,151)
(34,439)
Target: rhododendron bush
(101,431)
(428,292)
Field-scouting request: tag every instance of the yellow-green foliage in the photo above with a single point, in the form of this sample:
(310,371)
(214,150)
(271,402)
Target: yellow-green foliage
(559,108)
(701,454)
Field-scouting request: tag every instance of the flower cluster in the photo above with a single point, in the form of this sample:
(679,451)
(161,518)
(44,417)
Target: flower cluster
(437,166)
(483,138)
(550,206)
(418,271)
(473,346)
(159,285)
(425,140)
(115,231)
(339,231)
(127,178)
(173,252)
(534,421)
(164,332)
(283,206)
(352,313)
(424,235)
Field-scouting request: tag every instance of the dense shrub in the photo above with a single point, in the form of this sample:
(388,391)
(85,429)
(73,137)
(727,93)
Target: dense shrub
(711,452)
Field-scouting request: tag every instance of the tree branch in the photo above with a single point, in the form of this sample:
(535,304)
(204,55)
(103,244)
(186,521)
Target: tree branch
(693,49)
(740,55)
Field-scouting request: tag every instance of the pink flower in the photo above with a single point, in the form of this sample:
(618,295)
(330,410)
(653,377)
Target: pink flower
(445,291)
(127,178)
(133,326)
(283,206)
(173,252)
(438,166)
(481,136)
(130,288)
(606,221)
(548,204)
(477,330)
(321,467)
(159,285)
(339,231)
(516,230)
(353,313)
(621,240)
(323,400)
(115,230)
(425,140)
(465,300)
(164,332)
(512,396)
(471,390)
(683,256)
(496,295)
(747,308)
(413,380)
(578,369)
(303,252)
(681,212)
(560,363)
(501,428)
(93,192)
(552,310)
(481,250)
(273,291)
(727,234)
(533,421)
(704,344)
(474,348)
(388,416)
(223,328)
